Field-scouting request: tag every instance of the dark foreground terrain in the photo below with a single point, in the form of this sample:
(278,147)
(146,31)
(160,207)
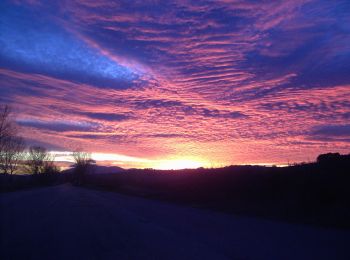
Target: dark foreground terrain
(67,222)
(314,193)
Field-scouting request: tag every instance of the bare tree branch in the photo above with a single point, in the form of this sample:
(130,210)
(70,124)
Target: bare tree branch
(12,154)
(36,158)
(11,146)
(83,163)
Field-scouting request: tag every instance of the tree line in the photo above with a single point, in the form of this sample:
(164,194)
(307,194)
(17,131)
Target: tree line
(16,156)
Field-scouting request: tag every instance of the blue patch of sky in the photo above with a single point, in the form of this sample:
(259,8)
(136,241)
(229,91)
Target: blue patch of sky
(39,45)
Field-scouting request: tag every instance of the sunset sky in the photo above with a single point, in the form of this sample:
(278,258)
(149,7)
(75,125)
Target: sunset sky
(171,84)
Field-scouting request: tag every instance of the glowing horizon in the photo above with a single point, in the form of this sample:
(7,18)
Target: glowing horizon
(127,162)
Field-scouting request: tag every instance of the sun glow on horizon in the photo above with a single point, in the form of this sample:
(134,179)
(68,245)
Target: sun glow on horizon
(127,162)
(178,164)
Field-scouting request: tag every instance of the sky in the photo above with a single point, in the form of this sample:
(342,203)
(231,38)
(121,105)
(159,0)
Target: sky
(171,84)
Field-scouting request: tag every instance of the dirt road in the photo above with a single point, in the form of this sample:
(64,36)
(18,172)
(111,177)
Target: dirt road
(66,222)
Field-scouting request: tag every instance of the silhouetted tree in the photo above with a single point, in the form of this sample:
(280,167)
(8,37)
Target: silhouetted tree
(11,145)
(83,164)
(6,125)
(50,167)
(12,154)
(37,159)
(328,158)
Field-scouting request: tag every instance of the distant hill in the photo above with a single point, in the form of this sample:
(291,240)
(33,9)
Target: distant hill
(100,169)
